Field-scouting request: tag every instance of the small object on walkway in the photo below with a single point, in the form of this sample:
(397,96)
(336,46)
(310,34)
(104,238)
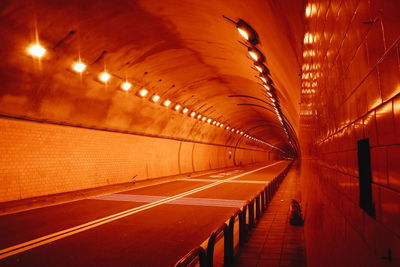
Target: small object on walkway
(295,214)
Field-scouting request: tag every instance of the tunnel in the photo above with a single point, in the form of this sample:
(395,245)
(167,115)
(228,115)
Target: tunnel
(200,133)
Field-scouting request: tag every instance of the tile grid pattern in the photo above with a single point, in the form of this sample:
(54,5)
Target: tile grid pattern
(274,242)
(351,91)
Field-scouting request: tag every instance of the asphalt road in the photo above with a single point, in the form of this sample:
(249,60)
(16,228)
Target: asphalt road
(150,226)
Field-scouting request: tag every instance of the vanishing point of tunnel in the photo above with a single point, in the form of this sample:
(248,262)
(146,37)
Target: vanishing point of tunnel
(200,133)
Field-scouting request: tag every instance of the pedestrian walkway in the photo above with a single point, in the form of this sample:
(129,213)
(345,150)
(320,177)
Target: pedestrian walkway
(274,242)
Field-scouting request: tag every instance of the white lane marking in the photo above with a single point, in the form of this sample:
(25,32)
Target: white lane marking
(222,174)
(213,202)
(92,224)
(214,180)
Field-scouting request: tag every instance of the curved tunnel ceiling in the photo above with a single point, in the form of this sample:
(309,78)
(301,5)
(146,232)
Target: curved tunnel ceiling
(184,51)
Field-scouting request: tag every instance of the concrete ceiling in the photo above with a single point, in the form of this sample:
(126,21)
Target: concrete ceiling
(183,50)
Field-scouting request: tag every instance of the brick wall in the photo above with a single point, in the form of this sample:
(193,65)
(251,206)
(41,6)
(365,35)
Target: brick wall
(350,91)
(40,159)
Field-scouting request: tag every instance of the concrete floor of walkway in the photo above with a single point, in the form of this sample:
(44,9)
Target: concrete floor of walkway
(274,242)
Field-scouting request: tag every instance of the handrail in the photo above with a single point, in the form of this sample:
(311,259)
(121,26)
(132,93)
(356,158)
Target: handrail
(193,254)
(261,201)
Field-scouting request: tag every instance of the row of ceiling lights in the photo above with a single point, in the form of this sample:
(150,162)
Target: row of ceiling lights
(251,36)
(36,50)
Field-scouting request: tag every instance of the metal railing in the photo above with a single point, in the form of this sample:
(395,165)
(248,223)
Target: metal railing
(223,244)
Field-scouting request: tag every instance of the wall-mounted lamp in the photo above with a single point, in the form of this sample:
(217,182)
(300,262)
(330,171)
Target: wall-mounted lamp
(155,98)
(256,55)
(177,107)
(78,66)
(126,86)
(261,68)
(36,50)
(247,32)
(143,92)
(104,77)
(167,103)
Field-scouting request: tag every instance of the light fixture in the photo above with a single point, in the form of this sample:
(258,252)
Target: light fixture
(177,107)
(105,77)
(218,123)
(199,116)
(270,94)
(79,66)
(166,103)
(185,110)
(227,128)
(143,92)
(221,125)
(237,131)
(233,129)
(204,118)
(273,99)
(256,55)
(267,87)
(261,68)
(36,50)
(241,133)
(214,122)
(192,114)
(209,120)
(126,86)
(155,98)
(247,32)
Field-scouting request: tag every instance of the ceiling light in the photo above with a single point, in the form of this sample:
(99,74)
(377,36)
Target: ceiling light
(227,127)
(241,133)
(155,98)
(214,122)
(267,87)
(192,114)
(204,118)
(79,66)
(233,129)
(247,32)
(273,99)
(237,131)
(143,92)
(185,110)
(166,103)
(126,86)
(104,77)
(221,125)
(36,50)
(209,120)
(261,68)
(177,107)
(218,123)
(270,94)
(256,55)
(199,116)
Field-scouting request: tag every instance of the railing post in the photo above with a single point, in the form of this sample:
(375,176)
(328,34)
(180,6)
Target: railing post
(228,242)
(251,214)
(258,207)
(210,250)
(242,226)
(263,205)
